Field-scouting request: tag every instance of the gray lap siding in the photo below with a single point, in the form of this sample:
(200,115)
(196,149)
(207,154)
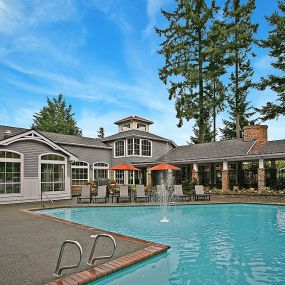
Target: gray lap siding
(90,155)
(31,151)
(159,148)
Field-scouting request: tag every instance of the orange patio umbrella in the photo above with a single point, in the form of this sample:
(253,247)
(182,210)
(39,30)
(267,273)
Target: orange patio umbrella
(164,166)
(124,167)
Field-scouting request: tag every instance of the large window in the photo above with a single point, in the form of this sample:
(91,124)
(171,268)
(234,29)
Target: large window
(79,173)
(53,168)
(146,148)
(120,148)
(10,172)
(101,170)
(120,176)
(133,146)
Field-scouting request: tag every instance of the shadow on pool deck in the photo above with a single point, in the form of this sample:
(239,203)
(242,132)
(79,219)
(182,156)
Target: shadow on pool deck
(29,245)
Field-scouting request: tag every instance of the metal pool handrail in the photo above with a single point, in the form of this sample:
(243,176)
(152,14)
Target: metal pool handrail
(58,269)
(91,260)
(46,195)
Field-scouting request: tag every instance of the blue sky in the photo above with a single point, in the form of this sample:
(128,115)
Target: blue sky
(101,54)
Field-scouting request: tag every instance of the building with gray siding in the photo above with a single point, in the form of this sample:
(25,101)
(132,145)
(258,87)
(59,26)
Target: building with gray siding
(33,162)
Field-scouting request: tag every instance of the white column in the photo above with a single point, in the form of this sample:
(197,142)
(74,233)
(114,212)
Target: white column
(261,163)
(225,165)
(195,167)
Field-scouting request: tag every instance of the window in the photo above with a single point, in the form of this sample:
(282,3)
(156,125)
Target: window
(53,167)
(120,176)
(119,148)
(101,170)
(146,148)
(141,126)
(133,177)
(79,173)
(133,146)
(10,172)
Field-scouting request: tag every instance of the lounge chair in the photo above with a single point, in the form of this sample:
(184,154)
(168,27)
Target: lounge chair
(178,193)
(102,194)
(199,192)
(85,194)
(124,193)
(140,193)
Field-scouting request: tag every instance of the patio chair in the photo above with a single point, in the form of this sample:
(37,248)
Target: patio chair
(124,193)
(85,194)
(140,193)
(178,193)
(199,192)
(102,194)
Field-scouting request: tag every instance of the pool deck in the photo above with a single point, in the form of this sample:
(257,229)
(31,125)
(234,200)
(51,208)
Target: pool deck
(30,243)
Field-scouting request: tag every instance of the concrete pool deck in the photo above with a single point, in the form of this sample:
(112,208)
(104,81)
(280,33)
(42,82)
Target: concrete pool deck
(29,244)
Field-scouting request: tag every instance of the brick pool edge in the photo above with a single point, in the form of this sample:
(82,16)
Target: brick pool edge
(106,268)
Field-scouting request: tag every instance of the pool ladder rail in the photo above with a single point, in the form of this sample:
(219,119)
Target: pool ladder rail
(91,260)
(46,195)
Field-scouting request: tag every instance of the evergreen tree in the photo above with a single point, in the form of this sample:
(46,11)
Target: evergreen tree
(208,136)
(276,45)
(241,30)
(101,133)
(185,49)
(56,117)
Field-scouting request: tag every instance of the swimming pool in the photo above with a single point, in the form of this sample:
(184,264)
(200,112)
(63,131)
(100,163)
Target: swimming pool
(210,244)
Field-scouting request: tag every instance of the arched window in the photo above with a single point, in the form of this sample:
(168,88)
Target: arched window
(100,170)
(119,148)
(53,172)
(10,172)
(146,147)
(79,173)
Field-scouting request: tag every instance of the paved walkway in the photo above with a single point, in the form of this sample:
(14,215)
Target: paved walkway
(29,244)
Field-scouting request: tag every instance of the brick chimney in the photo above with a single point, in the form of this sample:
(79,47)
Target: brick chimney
(256,133)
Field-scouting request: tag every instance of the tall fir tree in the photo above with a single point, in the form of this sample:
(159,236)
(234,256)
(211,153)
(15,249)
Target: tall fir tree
(185,49)
(56,117)
(276,44)
(241,30)
(101,133)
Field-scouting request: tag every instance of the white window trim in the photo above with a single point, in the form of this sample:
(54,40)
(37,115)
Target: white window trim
(150,148)
(21,160)
(125,177)
(125,149)
(53,162)
(81,167)
(101,167)
(138,155)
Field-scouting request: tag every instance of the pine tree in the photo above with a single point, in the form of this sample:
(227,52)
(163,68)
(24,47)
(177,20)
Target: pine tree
(208,136)
(185,48)
(276,45)
(56,117)
(101,133)
(241,30)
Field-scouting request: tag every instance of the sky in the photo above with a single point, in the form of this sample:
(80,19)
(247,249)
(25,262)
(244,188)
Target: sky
(102,55)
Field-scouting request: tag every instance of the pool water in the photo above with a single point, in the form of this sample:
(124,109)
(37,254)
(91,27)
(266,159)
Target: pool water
(210,244)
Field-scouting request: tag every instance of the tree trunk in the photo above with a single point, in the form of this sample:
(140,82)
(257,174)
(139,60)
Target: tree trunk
(201,120)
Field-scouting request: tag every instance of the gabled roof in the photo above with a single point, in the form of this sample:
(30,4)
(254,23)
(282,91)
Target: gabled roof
(219,150)
(136,133)
(58,138)
(273,147)
(130,118)
(36,136)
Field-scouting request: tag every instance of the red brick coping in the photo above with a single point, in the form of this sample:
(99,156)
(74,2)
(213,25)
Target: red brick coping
(107,268)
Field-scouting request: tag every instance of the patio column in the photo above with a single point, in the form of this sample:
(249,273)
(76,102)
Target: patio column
(148,177)
(261,175)
(195,174)
(225,176)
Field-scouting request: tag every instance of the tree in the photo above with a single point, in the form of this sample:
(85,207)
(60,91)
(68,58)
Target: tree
(208,136)
(56,117)
(237,21)
(276,44)
(101,133)
(186,53)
